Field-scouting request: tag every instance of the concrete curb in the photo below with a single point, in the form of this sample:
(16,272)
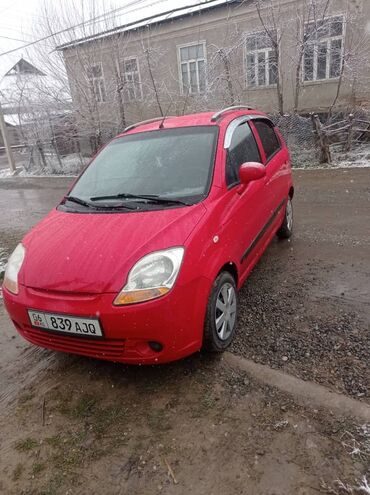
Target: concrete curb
(309,393)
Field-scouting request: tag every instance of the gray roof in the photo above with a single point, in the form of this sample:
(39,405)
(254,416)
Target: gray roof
(168,16)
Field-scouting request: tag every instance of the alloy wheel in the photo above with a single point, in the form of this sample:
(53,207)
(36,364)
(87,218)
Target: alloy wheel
(225,314)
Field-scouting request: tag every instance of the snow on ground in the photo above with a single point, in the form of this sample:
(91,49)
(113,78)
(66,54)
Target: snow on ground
(358,157)
(71,165)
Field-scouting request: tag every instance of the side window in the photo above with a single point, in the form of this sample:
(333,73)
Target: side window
(270,141)
(243,148)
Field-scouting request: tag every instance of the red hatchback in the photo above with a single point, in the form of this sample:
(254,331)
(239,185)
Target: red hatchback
(142,259)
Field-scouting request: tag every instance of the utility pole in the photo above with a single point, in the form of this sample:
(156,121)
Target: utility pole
(8,149)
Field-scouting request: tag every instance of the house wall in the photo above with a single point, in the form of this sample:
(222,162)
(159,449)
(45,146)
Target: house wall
(221,27)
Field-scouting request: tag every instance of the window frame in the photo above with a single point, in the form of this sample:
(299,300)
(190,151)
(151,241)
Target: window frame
(101,78)
(267,65)
(187,62)
(258,137)
(328,41)
(123,72)
(211,171)
(248,123)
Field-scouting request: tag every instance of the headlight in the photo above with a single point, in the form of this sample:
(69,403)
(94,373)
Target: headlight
(152,276)
(12,269)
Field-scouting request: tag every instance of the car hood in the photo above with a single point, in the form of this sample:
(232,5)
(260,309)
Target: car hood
(93,253)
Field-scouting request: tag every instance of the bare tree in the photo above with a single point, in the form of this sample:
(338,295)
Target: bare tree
(310,17)
(269,13)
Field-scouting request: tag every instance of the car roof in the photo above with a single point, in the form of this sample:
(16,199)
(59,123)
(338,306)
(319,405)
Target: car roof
(195,119)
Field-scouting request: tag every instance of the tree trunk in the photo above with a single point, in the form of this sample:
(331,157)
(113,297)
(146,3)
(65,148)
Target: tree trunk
(229,82)
(279,88)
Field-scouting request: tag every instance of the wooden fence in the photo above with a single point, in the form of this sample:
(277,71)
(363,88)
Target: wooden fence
(345,133)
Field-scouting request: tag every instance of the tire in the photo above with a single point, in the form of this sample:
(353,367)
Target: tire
(219,334)
(286,229)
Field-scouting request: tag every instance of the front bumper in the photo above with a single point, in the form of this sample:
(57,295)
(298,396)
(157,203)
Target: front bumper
(175,321)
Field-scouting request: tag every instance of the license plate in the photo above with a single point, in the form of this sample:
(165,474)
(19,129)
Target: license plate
(72,325)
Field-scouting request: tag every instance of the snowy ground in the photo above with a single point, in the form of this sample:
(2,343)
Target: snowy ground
(359,157)
(301,159)
(71,165)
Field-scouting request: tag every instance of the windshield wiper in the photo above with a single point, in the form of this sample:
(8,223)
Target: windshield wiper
(150,197)
(79,201)
(82,202)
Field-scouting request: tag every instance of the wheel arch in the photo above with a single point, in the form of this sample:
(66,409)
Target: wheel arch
(230,267)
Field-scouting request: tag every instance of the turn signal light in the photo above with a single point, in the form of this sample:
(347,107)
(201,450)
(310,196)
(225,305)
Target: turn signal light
(137,296)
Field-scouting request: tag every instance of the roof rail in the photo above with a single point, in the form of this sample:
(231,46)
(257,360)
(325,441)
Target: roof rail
(143,122)
(219,114)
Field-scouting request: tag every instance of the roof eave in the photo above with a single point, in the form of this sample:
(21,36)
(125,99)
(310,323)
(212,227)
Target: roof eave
(129,27)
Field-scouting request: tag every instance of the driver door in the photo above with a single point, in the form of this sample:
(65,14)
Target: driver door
(245,210)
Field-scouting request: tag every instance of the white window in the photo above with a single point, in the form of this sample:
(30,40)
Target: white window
(192,60)
(95,75)
(323,51)
(261,63)
(131,79)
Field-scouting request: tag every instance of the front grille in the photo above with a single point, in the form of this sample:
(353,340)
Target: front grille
(102,349)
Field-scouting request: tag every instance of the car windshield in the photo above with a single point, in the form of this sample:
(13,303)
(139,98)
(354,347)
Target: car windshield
(173,164)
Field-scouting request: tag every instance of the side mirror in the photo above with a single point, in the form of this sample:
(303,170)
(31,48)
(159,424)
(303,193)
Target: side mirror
(250,171)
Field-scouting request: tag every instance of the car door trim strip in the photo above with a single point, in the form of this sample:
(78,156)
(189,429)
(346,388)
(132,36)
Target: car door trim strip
(262,232)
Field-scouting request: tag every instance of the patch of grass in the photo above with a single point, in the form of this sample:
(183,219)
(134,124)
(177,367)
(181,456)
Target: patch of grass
(26,445)
(17,472)
(53,485)
(55,441)
(95,430)
(158,420)
(87,407)
(208,401)
(37,468)
(206,404)
(107,416)
(82,408)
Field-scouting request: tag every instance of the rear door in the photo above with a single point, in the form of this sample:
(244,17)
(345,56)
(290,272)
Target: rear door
(276,161)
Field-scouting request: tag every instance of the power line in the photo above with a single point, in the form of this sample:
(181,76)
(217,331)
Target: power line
(84,23)
(13,39)
(102,16)
(165,14)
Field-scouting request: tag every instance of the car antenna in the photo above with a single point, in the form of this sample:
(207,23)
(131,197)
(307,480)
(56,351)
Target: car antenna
(161,125)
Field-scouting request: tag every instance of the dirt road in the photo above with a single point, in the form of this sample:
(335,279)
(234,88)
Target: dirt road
(80,426)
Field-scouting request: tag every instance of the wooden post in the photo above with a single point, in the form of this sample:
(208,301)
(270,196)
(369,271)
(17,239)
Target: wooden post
(6,140)
(322,139)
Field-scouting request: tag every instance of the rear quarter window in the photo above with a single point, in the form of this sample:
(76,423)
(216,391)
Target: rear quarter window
(270,141)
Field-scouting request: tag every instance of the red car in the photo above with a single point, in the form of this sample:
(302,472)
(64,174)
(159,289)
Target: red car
(142,260)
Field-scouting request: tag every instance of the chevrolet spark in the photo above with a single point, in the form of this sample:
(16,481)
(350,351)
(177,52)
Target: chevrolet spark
(142,260)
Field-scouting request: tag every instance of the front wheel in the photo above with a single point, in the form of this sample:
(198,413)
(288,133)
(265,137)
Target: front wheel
(286,229)
(219,328)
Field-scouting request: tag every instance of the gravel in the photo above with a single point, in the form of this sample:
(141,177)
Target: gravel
(284,325)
